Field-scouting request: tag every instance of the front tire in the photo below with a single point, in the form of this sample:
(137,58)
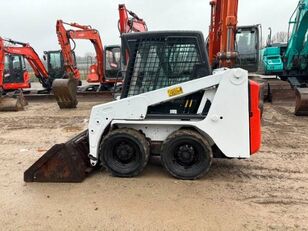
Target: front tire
(124,152)
(186,155)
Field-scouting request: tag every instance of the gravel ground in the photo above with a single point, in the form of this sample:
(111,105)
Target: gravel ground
(268,191)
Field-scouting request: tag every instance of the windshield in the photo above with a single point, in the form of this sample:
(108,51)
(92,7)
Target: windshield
(113,63)
(246,42)
(13,69)
(55,67)
(160,64)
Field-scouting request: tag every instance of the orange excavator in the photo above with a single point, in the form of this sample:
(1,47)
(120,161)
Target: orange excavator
(230,45)
(106,72)
(13,73)
(222,33)
(130,22)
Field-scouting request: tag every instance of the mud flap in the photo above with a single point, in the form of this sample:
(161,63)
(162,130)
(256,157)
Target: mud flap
(301,106)
(13,103)
(67,162)
(65,91)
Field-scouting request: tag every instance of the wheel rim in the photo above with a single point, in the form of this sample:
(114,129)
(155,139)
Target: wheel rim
(124,152)
(123,155)
(186,157)
(185,154)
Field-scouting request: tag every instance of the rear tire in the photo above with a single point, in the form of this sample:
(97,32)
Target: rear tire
(124,152)
(186,155)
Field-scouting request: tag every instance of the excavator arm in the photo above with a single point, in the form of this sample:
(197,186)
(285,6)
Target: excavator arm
(222,33)
(296,58)
(69,60)
(129,21)
(33,59)
(65,89)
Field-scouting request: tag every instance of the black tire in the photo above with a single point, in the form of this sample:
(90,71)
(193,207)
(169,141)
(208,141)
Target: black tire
(124,152)
(186,155)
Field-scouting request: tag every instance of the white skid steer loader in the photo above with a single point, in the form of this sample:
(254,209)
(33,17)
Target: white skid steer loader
(170,107)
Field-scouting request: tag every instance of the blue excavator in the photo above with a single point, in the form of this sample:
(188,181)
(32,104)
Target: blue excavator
(291,64)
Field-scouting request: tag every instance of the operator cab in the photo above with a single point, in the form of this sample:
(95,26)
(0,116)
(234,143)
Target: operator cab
(55,63)
(15,73)
(160,59)
(113,63)
(248,46)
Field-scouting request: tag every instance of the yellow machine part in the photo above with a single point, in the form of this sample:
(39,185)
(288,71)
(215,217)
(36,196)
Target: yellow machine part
(301,106)
(65,91)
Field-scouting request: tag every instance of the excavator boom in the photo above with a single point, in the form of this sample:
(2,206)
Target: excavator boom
(222,33)
(129,21)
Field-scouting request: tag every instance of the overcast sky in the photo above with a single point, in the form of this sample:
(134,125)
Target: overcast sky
(34,21)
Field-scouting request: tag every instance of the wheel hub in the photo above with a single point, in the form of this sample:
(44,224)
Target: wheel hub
(185,154)
(124,152)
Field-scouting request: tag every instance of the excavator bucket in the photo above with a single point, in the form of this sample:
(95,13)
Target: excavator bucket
(13,103)
(65,91)
(68,162)
(301,106)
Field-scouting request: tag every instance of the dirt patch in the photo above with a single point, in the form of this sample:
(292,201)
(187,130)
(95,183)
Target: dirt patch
(268,191)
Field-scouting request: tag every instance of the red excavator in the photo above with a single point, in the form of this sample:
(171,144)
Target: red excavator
(222,33)
(129,21)
(13,73)
(106,72)
(232,46)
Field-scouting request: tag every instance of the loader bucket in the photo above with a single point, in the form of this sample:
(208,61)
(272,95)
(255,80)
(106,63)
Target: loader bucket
(66,162)
(13,103)
(65,91)
(301,106)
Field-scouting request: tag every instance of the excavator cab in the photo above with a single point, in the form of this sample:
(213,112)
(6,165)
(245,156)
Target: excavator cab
(248,47)
(55,64)
(113,63)
(14,76)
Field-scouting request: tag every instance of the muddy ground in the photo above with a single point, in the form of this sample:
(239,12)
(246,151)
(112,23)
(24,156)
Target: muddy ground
(269,191)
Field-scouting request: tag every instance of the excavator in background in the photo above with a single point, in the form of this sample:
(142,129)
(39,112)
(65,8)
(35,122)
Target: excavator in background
(14,76)
(106,72)
(129,21)
(293,57)
(12,67)
(171,106)
(230,45)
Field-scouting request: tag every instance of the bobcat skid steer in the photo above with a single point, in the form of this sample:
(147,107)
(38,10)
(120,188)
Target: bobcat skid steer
(171,106)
